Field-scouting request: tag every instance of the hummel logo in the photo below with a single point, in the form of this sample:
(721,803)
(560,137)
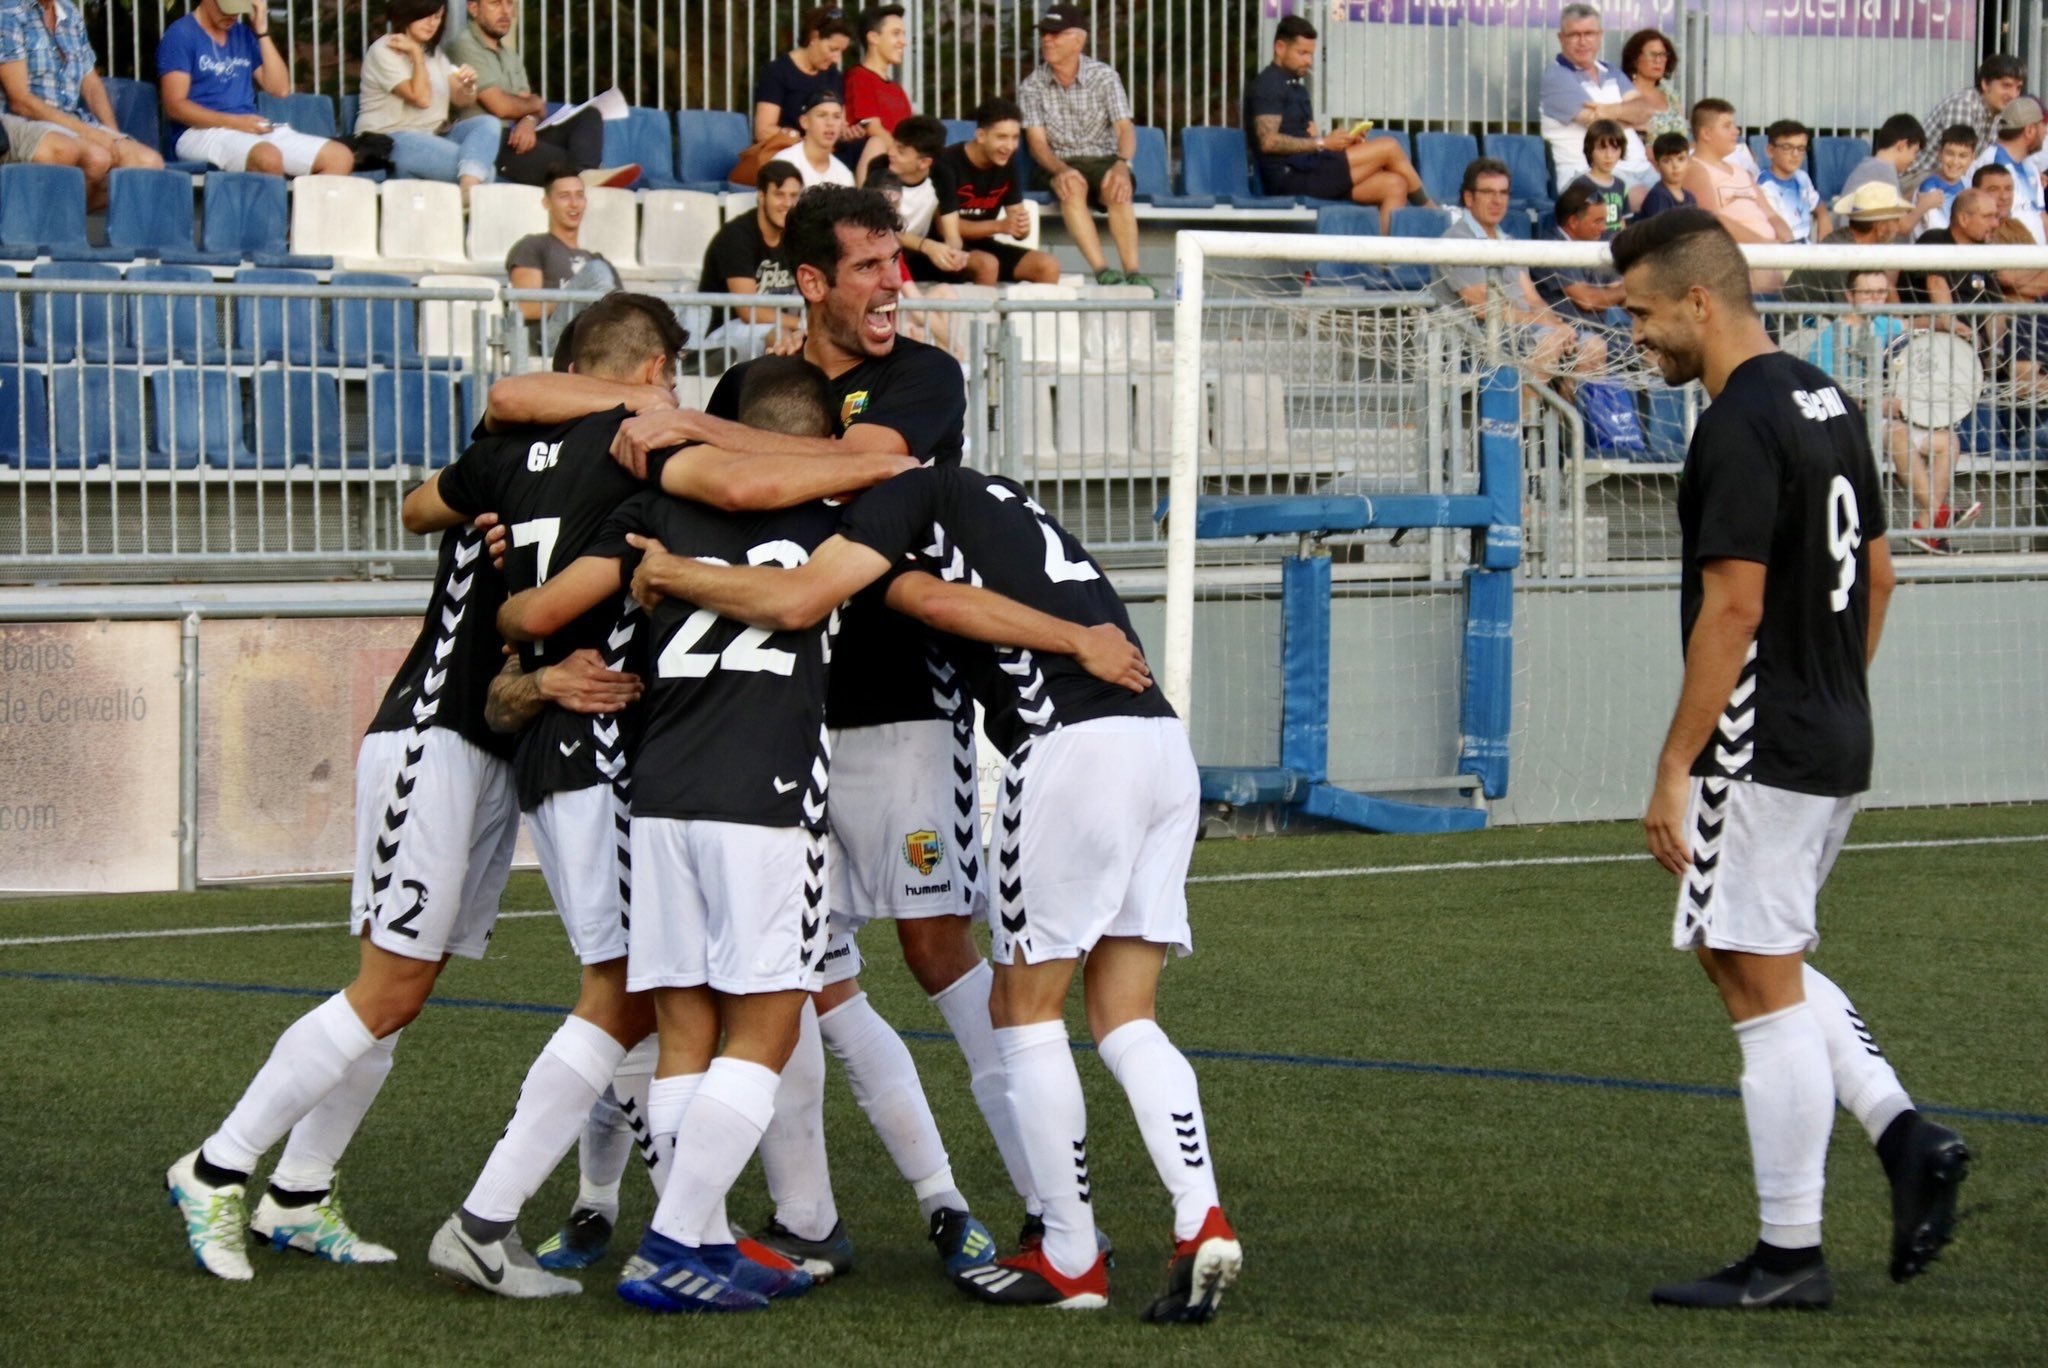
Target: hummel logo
(784,786)
(569,747)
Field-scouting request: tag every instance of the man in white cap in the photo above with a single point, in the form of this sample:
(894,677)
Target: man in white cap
(1869,217)
(2020,135)
(209,67)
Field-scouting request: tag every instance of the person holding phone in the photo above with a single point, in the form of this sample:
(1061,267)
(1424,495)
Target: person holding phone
(209,66)
(411,91)
(1294,159)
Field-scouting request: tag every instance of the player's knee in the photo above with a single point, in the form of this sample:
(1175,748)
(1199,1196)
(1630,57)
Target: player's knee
(386,1005)
(938,950)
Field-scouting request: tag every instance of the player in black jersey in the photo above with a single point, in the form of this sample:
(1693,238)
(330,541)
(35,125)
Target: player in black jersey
(1784,586)
(435,825)
(1096,821)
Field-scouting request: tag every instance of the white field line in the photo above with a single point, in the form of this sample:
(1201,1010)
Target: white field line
(1273,876)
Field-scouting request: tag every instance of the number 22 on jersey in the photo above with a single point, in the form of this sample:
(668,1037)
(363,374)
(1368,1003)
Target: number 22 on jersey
(680,658)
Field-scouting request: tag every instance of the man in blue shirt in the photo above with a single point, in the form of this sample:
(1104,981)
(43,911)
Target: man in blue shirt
(1578,88)
(208,69)
(56,111)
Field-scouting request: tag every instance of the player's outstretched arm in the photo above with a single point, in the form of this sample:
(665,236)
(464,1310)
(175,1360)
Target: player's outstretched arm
(965,610)
(759,595)
(737,481)
(1730,608)
(579,682)
(545,398)
(639,437)
(538,613)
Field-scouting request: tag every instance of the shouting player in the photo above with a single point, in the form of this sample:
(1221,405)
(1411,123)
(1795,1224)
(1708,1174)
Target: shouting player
(1784,586)
(1096,822)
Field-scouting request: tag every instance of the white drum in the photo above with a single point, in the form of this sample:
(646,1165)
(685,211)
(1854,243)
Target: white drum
(1935,377)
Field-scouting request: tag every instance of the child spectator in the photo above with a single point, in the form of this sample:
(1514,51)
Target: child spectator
(1671,152)
(1606,141)
(1787,186)
(1950,176)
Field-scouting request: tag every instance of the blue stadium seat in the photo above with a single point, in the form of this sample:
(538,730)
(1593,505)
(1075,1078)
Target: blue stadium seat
(1519,224)
(303,110)
(136,110)
(1760,148)
(348,114)
(90,327)
(644,136)
(1151,177)
(708,143)
(298,420)
(96,416)
(958,130)
(1215,162)
(198,417)
(1441,159)
(247,216)
(270,328)
(177,327)
(24,418)
(42,213)
(1528,162)
(149,214)
(1348,220)
(420,418)
(1411,222)
(381,332)
(14,319)
(1830,162)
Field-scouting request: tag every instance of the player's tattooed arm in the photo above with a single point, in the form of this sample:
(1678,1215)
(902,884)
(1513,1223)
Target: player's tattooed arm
(544,398)
(579,682)
(977,614)
(1731,606)
(538,613)
(759,595)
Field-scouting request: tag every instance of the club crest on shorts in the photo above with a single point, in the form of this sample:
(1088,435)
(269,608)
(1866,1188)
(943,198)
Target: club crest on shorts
(922,851)
(854,405)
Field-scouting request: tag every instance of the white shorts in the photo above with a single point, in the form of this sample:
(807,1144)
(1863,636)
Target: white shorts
(580,837)
(736,907)
(1759,857)
(1094,827)
(435,829)
(906,822)
(229,148)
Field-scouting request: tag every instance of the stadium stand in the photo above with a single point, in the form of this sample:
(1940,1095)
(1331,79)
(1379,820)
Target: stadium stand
(82,327)
(448,333)
(1528,161)
(301,110)
(611,227)
(1831,162)
(89,413)
(1348,220)
(645,137)
(298,420)
(270,328)
(1214,161)
(335,217)
(150,215)
(1150,174)
(419,417)
(1411,222)
(420,225)
(247,216)
(708,144)
(24,418)
(500,215)
(42,213)
(676,227)
(198,417)
(183,328)
(375,332)
(1441,159)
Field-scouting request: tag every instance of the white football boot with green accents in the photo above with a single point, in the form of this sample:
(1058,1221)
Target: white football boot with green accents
(216,1220)
(319,1229)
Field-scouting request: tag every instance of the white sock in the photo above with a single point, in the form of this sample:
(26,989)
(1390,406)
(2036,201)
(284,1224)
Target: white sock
(631,1086)
(1865,1083)
(554,1104)
(885,1083)
(308,1061)
(719,1133)
(1045,1091)
(793,1148)
(602,1152)
(316,1144)
(1161,1085)
(1788,1099)
(667,1100)
(964,1005)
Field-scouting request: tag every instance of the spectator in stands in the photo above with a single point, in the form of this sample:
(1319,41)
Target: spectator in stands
(1294,159)
(503,94)
(556,259)
(1972,221)
(208,69)
(409,92)
(2020,135)
(823,120)
(1672,152)
(2000,79)
(1078,124)
(1894,147)
(56,111)
(1649,60)
(1605,144)
(988,201)
(1950,176)
(1542,341)
(786,84)
(1787,186)
(875,104)
(928,206)
(2027,285)
(747,258)
(1579,88)
(1585,296)
(1997,182)
(1869,218)
(1728,189)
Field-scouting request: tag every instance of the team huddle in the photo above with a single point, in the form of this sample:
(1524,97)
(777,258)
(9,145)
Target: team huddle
(739,723)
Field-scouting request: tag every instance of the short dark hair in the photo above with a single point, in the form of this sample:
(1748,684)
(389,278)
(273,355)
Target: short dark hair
(881,177)
(402,14)
(1632,51)
(1669,145)
(1899,128)
(1481,166)
(1604,131)
(1849,277)
(2000,66)
(786,394)
(827,21)
(623,329)
(1959,135)
(811,237)
(1788,128)
(557,171)
(1686,247)
(872,17)
(994,110)
(775,173)
(1293,27)
(1986,172)
(1702,110)
(922,134)
(1574,201)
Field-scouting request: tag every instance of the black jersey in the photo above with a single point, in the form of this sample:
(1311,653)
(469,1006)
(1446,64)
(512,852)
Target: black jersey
(554,487)
(733,720)
(1780,472)
(446,677)
(879,670)
(962,525)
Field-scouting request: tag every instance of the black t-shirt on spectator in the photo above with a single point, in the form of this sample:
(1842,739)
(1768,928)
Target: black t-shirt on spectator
(977,195)
(740,252)
(1271,92)
(783,84)
(1964,287)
